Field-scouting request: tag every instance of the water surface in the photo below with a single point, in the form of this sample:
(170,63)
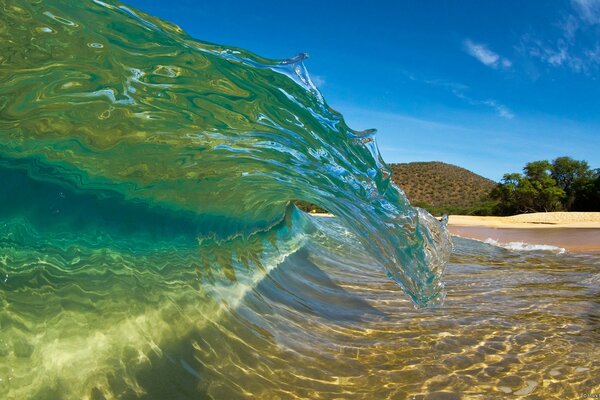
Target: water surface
(574,239)
(149,246)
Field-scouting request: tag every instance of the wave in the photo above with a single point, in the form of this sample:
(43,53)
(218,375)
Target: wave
(148,187)
(102,97)
(522,246)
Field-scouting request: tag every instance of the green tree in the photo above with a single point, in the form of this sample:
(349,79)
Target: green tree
(573,177)
(563,184)
(586,193)
(505,193)
(537,170)
(536,190)
(540,190)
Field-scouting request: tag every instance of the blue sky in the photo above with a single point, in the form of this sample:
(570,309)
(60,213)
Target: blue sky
(485,85)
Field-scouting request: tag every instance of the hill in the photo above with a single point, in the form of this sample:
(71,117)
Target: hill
(444,188)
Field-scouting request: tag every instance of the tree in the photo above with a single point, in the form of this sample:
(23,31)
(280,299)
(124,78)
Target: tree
(586,193)
(534,191)
(564,184)
(537,170)
(572,176)
(505,193)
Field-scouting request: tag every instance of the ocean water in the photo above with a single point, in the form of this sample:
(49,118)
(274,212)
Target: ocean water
(586,240)
(150,247)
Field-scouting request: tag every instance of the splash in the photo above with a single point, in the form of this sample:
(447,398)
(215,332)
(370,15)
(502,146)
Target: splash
(133,156)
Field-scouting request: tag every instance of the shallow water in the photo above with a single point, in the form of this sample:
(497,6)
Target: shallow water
(325,323)
(585,240)
(333,327)
(149,247)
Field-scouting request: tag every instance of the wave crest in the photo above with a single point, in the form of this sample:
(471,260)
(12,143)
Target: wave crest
(116,100)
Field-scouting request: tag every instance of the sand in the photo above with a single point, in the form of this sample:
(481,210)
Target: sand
(574,231)
(531,221)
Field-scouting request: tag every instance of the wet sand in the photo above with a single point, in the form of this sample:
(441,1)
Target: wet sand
(533,220)
(574,231)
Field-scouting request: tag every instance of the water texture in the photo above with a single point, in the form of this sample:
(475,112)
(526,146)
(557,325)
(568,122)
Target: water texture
(150,248)
(97,98)
(148,185)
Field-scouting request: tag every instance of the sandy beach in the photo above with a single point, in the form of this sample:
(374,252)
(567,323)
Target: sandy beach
(574,231)
(531,221)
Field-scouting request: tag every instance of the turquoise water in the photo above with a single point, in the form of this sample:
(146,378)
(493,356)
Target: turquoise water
(150,247)
(108,103)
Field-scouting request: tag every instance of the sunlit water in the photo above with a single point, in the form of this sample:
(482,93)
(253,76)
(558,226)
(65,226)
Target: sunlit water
(150,249)
(325,323)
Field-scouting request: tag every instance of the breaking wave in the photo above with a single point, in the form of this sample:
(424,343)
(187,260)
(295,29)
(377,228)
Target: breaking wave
(149,182)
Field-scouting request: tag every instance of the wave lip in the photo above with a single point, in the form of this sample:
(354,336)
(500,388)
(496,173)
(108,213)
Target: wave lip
(119,101)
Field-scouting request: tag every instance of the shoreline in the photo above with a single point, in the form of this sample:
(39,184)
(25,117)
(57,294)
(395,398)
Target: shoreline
(531,221)
(573,231)
(522,221)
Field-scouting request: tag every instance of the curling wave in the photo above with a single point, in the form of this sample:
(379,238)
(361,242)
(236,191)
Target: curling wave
(146,173)
(105,98)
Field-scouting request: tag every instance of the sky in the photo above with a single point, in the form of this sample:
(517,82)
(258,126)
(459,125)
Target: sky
(488,86)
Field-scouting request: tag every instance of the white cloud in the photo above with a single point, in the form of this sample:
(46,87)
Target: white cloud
(588,10)
(570,26)
(594,54)
(500,109)
(563,53)
(442,83)
(460,91)
(576,46)
(486,56)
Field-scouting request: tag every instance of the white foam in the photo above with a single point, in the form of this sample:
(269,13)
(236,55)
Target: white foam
(522,246)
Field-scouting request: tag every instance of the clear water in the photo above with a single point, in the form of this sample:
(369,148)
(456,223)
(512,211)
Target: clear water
(149,248)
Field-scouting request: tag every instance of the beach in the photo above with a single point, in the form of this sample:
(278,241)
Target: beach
(573,231)
(533,220)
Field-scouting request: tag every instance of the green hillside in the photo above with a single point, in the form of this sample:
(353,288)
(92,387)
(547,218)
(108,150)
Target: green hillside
(444,188)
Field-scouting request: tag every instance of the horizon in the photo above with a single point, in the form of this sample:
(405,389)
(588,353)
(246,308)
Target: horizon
(487,87)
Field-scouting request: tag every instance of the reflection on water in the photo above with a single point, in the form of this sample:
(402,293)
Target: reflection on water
(326,323)
(324,328)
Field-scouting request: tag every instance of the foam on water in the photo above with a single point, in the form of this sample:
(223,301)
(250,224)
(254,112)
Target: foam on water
(522,246)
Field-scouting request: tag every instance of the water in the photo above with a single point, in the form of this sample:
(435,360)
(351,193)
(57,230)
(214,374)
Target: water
(150,248)
(558,239)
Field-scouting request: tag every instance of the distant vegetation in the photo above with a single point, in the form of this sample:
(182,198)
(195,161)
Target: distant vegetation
(443,188)
(564,184)
(439,188)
